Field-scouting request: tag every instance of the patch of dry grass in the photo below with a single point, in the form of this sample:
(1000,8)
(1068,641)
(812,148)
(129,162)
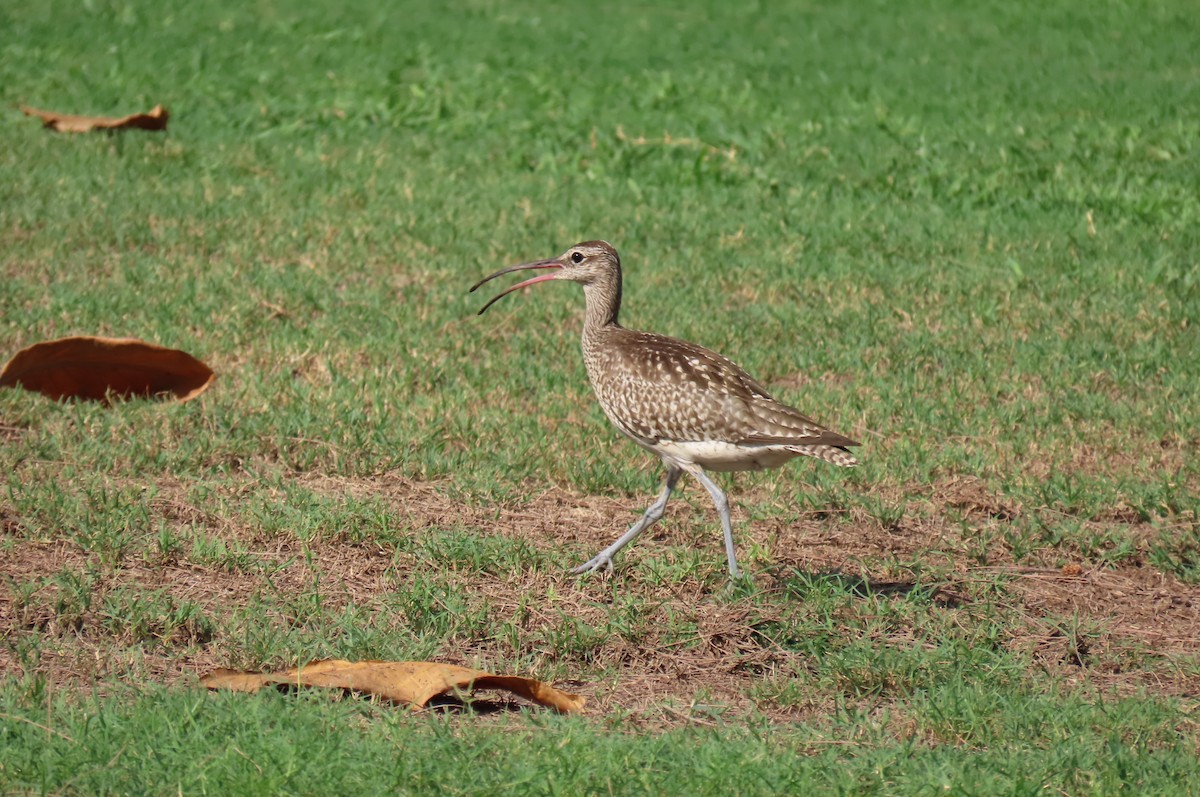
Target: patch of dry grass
(660,637)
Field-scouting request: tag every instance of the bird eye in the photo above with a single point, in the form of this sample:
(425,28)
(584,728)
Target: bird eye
(577,257)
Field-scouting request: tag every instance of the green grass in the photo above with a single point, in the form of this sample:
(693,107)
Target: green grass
(170,742)
(963,234)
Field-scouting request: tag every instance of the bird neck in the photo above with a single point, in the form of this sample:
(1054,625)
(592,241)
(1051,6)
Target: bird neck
(603,298)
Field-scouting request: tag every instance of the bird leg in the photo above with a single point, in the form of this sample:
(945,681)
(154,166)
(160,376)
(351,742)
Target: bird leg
(604,558)
(722,504)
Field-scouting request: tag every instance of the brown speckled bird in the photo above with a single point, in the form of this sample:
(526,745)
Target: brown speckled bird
(694,408)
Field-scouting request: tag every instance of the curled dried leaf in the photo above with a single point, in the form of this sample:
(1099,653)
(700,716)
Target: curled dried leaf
(156,119)
(98,369)
(412,682)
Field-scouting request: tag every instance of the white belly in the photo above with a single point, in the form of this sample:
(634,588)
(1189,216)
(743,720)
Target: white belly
(722,456)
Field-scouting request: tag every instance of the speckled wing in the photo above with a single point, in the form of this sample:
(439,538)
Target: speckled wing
(659,388)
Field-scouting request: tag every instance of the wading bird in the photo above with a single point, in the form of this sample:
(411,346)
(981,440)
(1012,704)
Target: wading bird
(697,410)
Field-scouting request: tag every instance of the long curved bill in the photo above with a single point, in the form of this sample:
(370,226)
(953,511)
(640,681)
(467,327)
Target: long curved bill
(522,267)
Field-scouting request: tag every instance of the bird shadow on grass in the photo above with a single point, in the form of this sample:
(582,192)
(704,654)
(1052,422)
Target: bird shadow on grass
(801,584)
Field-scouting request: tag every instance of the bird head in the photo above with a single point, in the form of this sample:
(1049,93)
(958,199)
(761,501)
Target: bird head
(584,263)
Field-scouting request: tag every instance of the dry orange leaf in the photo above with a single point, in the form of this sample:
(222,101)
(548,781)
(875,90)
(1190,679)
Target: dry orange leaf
(412,682)
(156,119)
(97,368)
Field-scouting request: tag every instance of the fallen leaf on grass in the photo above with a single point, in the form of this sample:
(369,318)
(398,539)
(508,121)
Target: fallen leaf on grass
(412,682)
(98,368)
(156,119)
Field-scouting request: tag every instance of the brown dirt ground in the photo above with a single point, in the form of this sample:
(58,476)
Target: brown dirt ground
(1132,614)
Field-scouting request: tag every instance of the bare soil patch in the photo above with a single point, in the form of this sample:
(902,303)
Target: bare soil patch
(1095,626)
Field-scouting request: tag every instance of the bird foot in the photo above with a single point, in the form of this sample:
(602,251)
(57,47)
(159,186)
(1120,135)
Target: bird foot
(593,564)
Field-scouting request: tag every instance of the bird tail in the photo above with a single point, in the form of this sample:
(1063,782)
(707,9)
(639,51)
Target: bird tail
(834,454)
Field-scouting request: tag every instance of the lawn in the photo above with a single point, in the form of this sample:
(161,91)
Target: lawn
(964,234)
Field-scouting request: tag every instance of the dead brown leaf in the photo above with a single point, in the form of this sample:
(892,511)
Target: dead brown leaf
(97,368)
(156,119)
(412,682)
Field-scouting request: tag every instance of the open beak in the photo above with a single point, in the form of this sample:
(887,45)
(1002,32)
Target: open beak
(553,263)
